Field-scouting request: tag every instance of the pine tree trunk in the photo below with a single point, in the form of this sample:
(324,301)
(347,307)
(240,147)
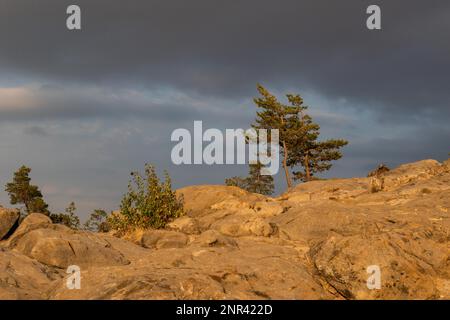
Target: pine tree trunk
(26,202)
(27,207)
(286,171)
(307,172)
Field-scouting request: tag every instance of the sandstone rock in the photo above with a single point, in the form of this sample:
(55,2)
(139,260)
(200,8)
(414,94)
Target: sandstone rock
(446,164)
(328,190)
(258,227)
(198,199)
(31,222)
(269,208)
(160,239)
(233,205)
(59,246)
(251,272)
(9,220)
(24,278)
(213,238)
(313,242)
(186,225)
(407,271)
(239,226)
(411,173)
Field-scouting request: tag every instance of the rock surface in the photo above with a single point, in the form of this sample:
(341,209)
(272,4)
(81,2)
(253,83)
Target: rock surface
(9,219)
(316,241)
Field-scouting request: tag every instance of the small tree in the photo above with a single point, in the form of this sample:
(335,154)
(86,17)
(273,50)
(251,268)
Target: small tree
(258,183)
(149,203)
(275,115)
(254,182)
(312,155)
(21,191)
(97,221)
(69,218)
(298,135)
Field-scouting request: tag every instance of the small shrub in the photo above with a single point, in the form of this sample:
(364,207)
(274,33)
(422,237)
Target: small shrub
(149,203)
(69,218)
(380,170)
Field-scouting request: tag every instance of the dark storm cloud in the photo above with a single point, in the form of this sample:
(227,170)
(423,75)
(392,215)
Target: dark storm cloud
(395,150)
(222,48)
(81,102)
(83,108)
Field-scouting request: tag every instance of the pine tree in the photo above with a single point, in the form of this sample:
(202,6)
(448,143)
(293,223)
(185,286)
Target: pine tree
(312,155)
(21,191)
(258,183)
(275,115)
(298,136)
(254,182)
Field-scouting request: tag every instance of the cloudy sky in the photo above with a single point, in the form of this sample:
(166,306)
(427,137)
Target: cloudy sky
(84,108)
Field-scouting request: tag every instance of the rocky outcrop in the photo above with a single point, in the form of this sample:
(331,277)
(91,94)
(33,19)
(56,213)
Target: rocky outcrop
(160,239)
(318,241)
(9,220)
(59,246)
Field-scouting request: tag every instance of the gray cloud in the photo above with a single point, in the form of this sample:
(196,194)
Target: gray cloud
(87,102)
(223,48)
(36,131)
(106,98)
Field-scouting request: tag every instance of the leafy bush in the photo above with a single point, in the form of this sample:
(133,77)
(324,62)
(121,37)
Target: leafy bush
(149,203)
